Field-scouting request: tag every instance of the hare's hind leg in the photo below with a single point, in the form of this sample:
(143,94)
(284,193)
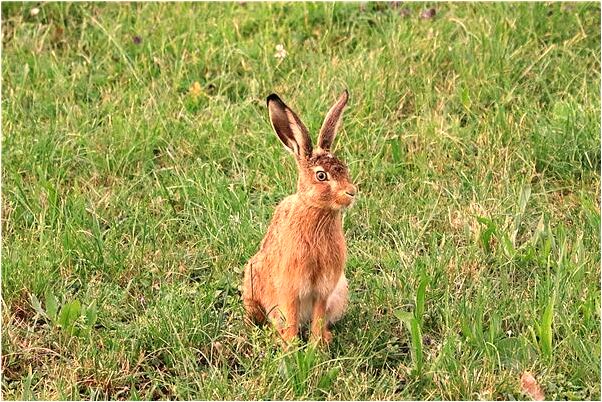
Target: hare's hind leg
(251,295)
(337,302)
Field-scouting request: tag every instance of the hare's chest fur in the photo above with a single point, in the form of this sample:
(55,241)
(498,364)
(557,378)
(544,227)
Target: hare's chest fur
(324,271)
(311,246)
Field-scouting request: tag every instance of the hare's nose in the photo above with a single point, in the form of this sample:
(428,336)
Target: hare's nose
(351,191)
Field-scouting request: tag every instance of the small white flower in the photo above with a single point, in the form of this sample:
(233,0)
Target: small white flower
(34,11)
(280,52)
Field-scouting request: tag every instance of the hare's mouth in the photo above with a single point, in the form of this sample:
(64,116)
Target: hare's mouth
(346,200)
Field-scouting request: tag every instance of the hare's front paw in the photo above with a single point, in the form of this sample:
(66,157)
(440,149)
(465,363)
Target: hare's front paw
(325,337)
(288,334)
(288,339)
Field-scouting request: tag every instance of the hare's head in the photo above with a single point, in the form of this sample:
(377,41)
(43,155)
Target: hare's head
(323,179)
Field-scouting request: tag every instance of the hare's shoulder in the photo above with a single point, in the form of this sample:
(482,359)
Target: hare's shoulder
(285,207)
(279,224)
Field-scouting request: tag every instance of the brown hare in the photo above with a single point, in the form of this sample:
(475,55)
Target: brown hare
(297,276)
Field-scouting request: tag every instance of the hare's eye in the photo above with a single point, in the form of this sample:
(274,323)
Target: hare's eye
(321,175)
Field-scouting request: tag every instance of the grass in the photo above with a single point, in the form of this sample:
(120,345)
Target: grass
(130,202)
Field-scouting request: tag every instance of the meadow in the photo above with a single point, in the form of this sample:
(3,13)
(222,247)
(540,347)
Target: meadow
(140,172)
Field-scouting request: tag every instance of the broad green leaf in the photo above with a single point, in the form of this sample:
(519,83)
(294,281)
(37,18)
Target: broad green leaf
(91,315)
(508,247)
(51,304)
(420,297)
(546,333)
(416,334)
(488,233)
(403,316)
(68,315)
(525,194)
(36,305)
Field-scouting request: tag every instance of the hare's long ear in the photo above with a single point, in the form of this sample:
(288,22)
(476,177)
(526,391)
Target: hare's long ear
(332,122)
(288,126)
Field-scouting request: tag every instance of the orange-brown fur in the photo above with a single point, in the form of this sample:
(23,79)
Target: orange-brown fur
(297,276)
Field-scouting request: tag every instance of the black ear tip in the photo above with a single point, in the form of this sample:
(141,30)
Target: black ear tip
(272,97)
